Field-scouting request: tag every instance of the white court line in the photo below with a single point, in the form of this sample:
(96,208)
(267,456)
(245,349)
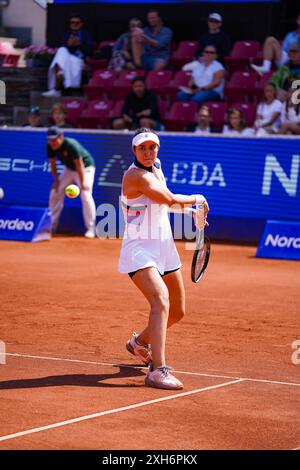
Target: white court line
(198,374)
(116,410)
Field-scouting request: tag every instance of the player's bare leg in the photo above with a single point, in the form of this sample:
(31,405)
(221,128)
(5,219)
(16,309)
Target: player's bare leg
(150,283)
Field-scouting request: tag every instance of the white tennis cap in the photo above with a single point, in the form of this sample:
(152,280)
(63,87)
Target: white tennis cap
(215,16)
(144,137)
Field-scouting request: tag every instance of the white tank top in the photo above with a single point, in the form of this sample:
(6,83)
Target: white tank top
(148,239)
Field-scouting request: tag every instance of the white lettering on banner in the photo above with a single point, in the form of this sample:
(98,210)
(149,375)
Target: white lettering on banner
(288,183)
(282,241)
(115,159)
(216,176)
(16,224)
(25,165)
(177,171)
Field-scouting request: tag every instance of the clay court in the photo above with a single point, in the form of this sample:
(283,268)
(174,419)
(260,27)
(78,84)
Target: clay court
(69,383)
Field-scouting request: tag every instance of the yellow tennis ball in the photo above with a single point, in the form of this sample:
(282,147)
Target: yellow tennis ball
(72,191)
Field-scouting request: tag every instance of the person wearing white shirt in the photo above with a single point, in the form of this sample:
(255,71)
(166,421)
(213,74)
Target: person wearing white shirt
(290,116)
(207,82)
(268,112)
(236,124)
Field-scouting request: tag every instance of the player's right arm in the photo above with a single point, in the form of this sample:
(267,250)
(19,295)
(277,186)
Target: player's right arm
(146,183)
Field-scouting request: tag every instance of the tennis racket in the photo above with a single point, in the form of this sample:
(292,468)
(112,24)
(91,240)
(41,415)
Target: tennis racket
(201,254)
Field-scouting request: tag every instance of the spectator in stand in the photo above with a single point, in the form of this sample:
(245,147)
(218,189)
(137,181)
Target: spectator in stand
(67,65)
(214,36)
(274,51)
(59,116)
(287,73)
(290,115)
(208,78)
(156,42)
(236,124)
(203,125)
(140,108)
(127,52)
(268,112)
(34,118)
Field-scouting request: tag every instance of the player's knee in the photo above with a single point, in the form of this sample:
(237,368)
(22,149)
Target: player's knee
(160,303)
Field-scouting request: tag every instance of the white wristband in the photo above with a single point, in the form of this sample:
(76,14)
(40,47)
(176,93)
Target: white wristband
(200,199)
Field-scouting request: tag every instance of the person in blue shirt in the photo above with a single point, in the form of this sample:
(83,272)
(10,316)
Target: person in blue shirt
(274,51)
(156,42)
(67,65)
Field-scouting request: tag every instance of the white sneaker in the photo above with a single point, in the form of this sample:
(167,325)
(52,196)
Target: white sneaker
(52,94)
(90,233)
(162,378)
(259,69)
(142,352)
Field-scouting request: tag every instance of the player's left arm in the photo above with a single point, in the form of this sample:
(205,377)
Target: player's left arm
(78,162)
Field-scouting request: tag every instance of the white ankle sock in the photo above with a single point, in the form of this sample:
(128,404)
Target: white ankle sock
(267,65)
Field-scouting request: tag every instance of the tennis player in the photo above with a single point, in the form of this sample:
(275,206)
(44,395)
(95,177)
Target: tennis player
(149,254)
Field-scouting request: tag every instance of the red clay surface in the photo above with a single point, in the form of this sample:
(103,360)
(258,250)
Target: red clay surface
(65,299)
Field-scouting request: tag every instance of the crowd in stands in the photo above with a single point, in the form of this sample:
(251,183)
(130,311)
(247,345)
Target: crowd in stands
(204,86)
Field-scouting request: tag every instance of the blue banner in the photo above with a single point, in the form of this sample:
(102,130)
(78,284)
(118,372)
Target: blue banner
(246,180)
(280,240)
(28,224)
(165,1)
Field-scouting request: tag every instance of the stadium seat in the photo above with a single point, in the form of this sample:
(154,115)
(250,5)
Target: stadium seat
(158,81)
(163,106)
(116,110)
(181,114)
(123,84)
(100,84)
(248,110)
(240,86)
(107,42)
(75,107)
(185,52)
(9,60)
(96,64)
(260,84)
(242,53)
(180,78)
(97,114)
(218,111)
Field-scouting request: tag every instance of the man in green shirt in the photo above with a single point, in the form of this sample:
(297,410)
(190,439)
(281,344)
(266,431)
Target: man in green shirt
(79,169)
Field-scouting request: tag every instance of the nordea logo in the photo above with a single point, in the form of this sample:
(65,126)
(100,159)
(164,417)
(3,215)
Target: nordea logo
(16,224)
(282,241)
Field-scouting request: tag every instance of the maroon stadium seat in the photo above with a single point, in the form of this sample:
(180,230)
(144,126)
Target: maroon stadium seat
(116,110)
(240,86)
(185,52)
(158,81)
(218,111)
(100,84)
(123,84)
(74,107)
(242,53)
(181,114)
(97,114)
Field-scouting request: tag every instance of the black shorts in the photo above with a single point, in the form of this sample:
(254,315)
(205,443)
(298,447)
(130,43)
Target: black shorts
(162,275)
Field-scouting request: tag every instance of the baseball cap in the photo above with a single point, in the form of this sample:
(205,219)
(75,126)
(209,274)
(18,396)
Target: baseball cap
(34,110)
(215,16)
(54,132)
(145,137)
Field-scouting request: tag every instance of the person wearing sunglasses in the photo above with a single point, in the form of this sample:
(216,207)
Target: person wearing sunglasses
(216,37)
(208,78)
(66,67)
(287,73)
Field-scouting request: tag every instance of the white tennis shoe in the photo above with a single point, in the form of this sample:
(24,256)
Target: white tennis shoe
(142,352)
(161,377)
